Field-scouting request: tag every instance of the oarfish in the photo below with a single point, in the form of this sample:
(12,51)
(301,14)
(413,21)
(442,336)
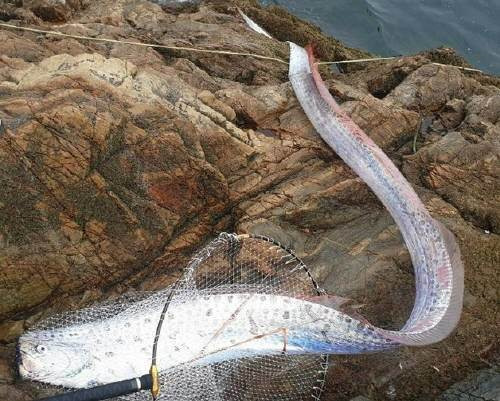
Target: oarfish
(439,274)
(208,328)
(198,331)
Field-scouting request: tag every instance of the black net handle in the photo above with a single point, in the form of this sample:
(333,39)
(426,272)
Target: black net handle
(105,391)
(153,370)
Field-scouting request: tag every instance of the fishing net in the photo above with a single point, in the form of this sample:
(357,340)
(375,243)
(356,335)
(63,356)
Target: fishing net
(251,266)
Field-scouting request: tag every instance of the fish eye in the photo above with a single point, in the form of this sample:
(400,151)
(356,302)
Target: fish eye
(40,349)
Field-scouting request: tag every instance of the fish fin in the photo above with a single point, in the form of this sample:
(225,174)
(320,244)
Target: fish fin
(331,301)
(456,262)
(253,25)
(340,304)
(356,315)
(450,242)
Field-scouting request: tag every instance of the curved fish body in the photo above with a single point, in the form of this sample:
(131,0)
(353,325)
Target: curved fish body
(199,331)
(433,249)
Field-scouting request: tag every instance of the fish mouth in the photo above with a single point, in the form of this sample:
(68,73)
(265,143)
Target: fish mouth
(21,370)
(22,359)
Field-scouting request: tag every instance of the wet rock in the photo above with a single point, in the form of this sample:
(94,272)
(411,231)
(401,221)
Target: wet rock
(446,55)
(283,26)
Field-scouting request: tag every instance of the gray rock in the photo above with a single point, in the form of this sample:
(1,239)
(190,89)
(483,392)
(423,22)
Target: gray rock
(176,3)
(483,385)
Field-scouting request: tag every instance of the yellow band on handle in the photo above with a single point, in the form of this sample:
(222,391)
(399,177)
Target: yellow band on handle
(155,383)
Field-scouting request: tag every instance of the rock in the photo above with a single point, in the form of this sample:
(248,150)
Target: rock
(469,299)
(178,6)
(6,374)
(14,47)
(483,116)
(380,78)
(388,126)
(283,26)
(483,385)
(55,10)
(11,330)
(452,157)
(118,162)
(430,87)
(209,99)
(11,393)
(146,15)
(446,55)
(451,116)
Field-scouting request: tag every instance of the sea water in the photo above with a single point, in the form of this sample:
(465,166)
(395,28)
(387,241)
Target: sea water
(395,27)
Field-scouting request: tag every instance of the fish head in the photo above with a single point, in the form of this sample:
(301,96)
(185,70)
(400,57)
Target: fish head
(46,357)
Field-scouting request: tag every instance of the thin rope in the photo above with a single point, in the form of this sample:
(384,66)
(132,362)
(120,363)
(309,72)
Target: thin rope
(361,60)
(198,50)
(191,49)
(461,68)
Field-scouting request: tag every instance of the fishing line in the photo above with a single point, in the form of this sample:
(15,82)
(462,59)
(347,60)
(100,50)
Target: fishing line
(210,51)
(126,42)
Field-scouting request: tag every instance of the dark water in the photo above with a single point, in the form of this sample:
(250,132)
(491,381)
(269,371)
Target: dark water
(394,27)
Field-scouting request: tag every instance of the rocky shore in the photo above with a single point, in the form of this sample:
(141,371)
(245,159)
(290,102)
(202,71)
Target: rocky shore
(117,162)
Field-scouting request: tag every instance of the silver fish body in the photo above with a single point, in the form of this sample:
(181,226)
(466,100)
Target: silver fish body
(433,248)
(201,331)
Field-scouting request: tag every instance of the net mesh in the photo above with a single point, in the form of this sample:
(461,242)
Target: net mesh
(231,264)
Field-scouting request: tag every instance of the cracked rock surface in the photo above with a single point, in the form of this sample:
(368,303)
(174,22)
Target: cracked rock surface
(117,162)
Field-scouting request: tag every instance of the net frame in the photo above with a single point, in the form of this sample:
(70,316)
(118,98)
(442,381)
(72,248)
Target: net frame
(236,264)
(189,284)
